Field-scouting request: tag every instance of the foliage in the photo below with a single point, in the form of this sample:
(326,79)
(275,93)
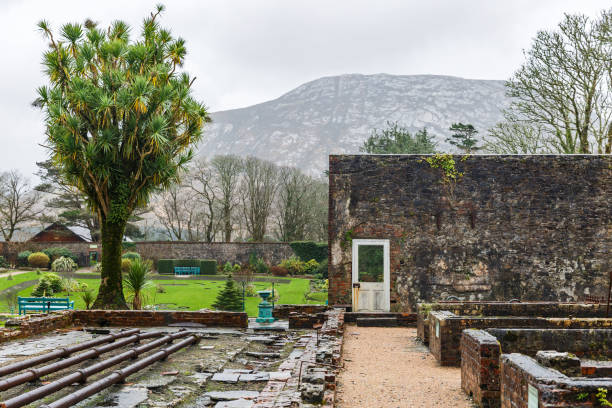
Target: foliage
(229,298)
(57,252)
(311,267)
(63,264)
(294,265)
(3,262)
(120,123)
(48,284)
(88,298)
(250,291)
(564,87)
(322,270)
(159,288)
(22,258)
(307,250)
(449,173)
(72,285)
(396,139)
(371,258)
(137,281)
(279,271)
(130,255)
(126,264)
(258,264)
(9,277)
(516,137)
(38,260)
(229,269)
(602,397)
(259,182)
(463,137)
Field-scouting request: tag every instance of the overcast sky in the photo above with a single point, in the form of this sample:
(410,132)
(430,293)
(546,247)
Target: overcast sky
(249,51)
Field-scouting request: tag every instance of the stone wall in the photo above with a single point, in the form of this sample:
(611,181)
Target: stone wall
(283,311)
(271,252)
(445,330)
(524,227)
(144,318)
(480,354)
(521,374)
(31,325)
(533,309)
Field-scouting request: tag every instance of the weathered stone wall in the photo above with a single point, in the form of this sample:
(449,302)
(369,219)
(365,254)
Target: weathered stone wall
(520,372)
(533,309)
(32,325)
(445,346)
(480,354)
(271,252)
(525,227)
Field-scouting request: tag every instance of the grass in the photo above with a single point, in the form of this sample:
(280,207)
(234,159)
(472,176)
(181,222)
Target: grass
(5,283)
(199,294)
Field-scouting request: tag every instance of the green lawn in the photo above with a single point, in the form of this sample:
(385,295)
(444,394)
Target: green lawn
(198,294)
(5,283)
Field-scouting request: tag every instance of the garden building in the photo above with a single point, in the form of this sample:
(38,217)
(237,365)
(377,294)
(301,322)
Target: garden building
(403,230)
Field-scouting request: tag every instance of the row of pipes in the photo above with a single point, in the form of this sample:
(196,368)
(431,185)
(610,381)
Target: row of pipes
(94,348)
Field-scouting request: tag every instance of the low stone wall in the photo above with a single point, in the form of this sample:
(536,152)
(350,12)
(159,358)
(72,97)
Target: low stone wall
(222,252)
(145,318)
(522,379)
(283,311)
(32,325)
(532,309)
(445,330)
(480,354)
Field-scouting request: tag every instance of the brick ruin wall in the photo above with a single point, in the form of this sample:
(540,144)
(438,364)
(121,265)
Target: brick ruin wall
(222,252)
(524,227)
(477,308)
(481,351)
(445,330)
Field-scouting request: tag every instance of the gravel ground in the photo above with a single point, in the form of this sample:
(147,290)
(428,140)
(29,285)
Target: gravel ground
(388,368)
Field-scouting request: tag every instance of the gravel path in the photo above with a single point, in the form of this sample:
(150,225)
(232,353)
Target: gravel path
(388,368)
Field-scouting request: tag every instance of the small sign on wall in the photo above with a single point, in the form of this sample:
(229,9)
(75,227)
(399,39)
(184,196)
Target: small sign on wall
(532,396)
(437,328)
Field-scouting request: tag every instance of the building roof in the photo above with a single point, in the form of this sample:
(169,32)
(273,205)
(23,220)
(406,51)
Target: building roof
(61,233)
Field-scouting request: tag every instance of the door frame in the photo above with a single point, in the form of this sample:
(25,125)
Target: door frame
(386,268)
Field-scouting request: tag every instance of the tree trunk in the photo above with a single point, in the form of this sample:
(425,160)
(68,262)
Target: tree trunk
(110,295)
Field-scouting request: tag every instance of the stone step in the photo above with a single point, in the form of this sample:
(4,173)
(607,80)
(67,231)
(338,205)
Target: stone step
(377,322)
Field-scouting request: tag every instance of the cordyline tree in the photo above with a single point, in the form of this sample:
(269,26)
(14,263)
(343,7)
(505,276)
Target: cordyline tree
(120,123)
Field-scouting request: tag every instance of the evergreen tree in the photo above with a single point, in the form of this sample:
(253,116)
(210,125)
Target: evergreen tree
(463,137)
(397,139)
(229,298)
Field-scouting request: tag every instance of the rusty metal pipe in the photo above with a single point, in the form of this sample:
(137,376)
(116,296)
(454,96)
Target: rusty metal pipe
(119,375)
(35,373)
(64,352)
(82,374)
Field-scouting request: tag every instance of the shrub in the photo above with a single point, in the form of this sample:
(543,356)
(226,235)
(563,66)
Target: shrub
(229,298)
(208,267)
(98,267)
(88,298)
(48,284)
(22,258)
(279,271)
(126,264)
(311,267)
(38,260)
(70,285)
(160,288)
(3,262)
(55,253)
(131,255)
(250,291)
(322,269)
(63,264)
(165,266)
(307,250)
(294,265)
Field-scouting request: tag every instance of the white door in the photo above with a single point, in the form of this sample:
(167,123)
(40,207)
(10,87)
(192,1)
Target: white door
(371,275)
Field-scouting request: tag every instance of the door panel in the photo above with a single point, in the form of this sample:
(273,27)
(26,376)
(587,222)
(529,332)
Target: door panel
(371,275)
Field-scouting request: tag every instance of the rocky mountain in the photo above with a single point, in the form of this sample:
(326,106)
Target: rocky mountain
(336,114)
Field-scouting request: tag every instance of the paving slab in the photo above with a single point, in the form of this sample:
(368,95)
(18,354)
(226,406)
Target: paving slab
(239,403)
(279,375)
(254,377)
(226,377)
(231,395)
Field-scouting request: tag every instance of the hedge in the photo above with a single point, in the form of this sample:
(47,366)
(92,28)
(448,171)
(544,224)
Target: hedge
(307,250)
(207,266)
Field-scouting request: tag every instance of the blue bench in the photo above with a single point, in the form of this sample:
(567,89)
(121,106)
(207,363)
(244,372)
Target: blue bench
(186,270)
(44,304)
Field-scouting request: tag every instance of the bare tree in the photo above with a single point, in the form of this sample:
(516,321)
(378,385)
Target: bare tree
(564,87)
(179,215)
(258,188)
(516,137)
(294,198)
(203,186)
(17,203)
(227,174)
(318,209)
